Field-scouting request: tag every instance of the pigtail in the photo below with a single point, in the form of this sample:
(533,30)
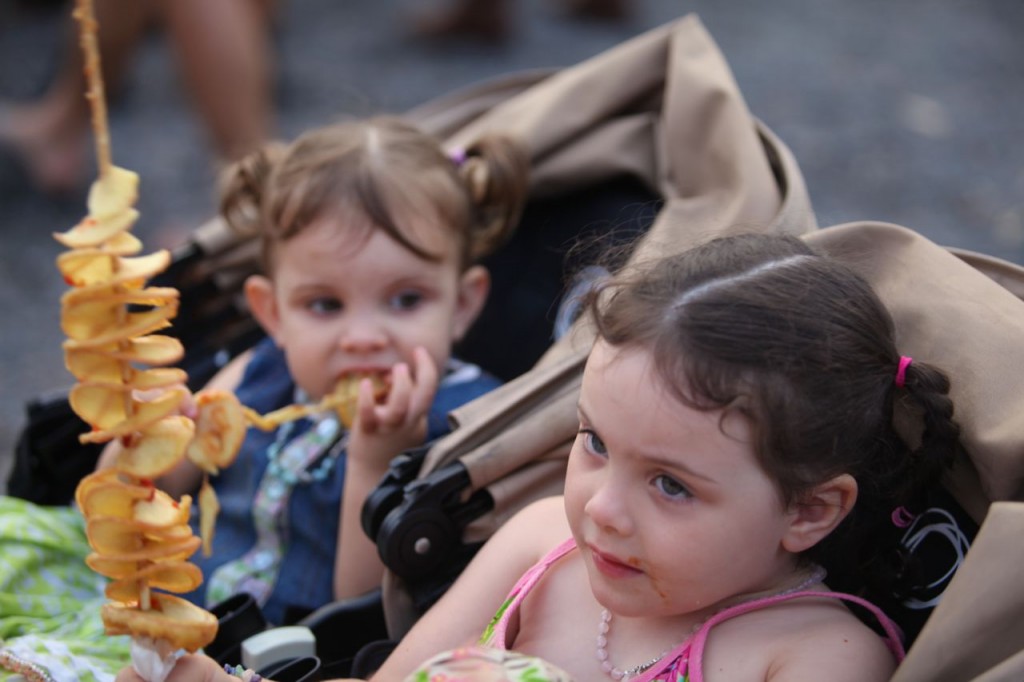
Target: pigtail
(242,188)
(495,170)
(926,445)
(925,391)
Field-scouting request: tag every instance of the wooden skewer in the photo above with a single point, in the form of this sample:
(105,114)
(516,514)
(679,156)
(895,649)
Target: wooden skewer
(94,78)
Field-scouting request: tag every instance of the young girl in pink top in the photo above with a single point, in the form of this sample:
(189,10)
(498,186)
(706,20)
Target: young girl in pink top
(736,434)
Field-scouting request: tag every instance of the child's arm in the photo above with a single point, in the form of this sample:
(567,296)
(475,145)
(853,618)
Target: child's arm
(462,614)
(379,434)
(185,477)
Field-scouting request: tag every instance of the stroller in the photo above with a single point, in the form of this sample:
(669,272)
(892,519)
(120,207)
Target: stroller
(657,131)
(717,170)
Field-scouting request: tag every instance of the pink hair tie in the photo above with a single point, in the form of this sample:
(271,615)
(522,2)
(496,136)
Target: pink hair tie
(458,156)
(901,371)
(901,517)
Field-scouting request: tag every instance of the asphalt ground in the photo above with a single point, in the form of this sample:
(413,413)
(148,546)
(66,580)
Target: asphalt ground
(909,112)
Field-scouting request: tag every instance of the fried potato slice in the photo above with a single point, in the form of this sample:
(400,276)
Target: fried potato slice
(161,377)
(161,510)
(180,623)
(345,397)
(90,365)
(99,322)
(90,267)
(113,192)
(97,368)
(122,244)
(114,498)
(92,480)
(153,350)
(209,507)
(271,420)
(157,449)
(125,562)
(172,576)
(113,568)
(103,406)
(220,430)
(344,400)
(130,539)
(94,231)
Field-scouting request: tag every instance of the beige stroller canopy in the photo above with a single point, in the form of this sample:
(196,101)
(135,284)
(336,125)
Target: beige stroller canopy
(663,108)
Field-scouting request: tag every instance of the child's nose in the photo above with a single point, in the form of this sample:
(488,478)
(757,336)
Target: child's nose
(363,336)
(609,508)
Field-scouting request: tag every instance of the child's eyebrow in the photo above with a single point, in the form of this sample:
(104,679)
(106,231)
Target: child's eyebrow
(664,461)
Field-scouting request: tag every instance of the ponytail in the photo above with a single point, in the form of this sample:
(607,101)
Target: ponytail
(925,391)
(927,441)
(495,170)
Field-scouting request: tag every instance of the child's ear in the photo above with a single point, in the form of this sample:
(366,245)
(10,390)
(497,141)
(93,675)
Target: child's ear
(259,293)
(818,513)
(474,285)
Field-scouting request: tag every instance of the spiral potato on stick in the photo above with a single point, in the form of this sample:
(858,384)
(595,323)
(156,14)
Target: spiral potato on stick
(140,536)
(128,391)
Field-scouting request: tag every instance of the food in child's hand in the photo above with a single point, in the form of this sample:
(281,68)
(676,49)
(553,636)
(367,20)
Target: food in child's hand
(344,400)
(345,397)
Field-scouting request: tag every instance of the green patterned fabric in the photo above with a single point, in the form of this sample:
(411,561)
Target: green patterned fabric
(50,627)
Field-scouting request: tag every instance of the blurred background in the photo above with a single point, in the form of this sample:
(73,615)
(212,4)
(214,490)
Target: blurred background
(909,112)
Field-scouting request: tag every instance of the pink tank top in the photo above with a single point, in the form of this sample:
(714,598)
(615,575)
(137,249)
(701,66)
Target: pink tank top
(684,662)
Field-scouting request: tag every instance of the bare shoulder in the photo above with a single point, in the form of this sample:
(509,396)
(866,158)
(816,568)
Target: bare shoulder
(830,642)
(803,640)
(538,526)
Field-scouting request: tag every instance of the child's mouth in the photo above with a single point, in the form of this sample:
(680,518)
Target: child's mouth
(611,566)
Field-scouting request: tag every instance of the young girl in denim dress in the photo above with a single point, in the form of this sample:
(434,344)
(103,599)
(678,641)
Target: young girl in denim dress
(370,235)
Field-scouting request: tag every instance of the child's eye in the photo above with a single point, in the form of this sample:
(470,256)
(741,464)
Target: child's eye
(671,488)
(406,300)
(324,305)
(593,443)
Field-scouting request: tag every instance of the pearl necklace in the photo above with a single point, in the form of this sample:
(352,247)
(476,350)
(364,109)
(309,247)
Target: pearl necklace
(605,625)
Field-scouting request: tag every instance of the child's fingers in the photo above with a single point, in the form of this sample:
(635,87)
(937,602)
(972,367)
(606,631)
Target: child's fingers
(426,382)
(392,412)
(366,405)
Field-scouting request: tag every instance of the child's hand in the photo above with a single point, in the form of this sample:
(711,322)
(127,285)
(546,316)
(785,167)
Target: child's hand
(382,431)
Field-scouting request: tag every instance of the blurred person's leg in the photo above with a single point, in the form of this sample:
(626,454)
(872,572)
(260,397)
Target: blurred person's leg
(486,20)
(224,48)
(490,20)
(50,134)
(609,10)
